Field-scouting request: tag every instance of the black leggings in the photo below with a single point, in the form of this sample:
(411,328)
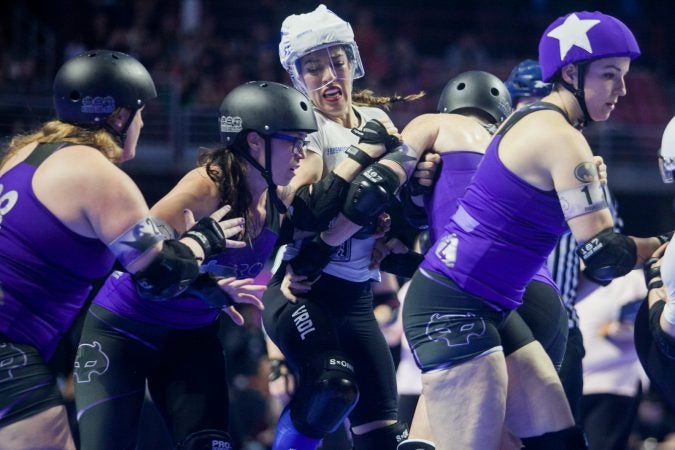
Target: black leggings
(342,322)
(184,369)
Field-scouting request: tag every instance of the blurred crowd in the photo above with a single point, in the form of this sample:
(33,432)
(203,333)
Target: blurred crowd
(198,50)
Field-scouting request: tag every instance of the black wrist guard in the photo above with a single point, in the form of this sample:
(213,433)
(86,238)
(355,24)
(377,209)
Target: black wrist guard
(361,157)
(373,132)
(313,257)
(208,235)
(205,287)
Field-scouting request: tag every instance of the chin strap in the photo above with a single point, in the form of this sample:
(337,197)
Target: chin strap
(266,172)
(579,95)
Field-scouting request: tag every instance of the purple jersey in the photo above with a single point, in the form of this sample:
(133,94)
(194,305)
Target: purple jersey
(456,173)
(119,295)
(500,235)
(47,270)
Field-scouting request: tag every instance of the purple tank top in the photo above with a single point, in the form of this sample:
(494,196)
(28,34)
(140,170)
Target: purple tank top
(119,295)
(46,270)
(500,235)
(456,173)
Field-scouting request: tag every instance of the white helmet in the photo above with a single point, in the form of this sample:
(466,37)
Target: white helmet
(302,34)
(667,152)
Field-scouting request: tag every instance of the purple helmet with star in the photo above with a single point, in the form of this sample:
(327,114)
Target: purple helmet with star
(584,36)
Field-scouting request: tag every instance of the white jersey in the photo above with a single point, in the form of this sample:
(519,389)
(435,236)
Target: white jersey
(611,364)
(331,142)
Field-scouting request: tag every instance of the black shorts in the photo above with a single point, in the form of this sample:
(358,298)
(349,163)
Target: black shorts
(544,314)
(184,370)
(27,384)
(336,317)
(653,347)
(446,325)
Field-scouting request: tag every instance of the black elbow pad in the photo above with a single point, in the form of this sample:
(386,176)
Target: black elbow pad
(370,193)
(169,273)
(313,209)
(608,255)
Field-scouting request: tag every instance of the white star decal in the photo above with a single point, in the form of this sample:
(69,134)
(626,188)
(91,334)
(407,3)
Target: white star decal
(573,32)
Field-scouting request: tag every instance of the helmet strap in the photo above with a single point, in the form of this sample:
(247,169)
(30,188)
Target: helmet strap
(119,133)
(579,94)
(266,171)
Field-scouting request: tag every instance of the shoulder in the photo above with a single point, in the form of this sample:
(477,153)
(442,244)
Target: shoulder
(85,167)
(195,191)
(371,112)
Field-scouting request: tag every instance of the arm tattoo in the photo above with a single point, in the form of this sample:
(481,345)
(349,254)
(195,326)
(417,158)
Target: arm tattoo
(586,172)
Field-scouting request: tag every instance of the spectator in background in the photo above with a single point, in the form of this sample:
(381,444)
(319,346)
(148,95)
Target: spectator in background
(612,371)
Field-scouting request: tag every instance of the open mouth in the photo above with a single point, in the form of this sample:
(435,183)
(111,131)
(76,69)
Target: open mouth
(332,94)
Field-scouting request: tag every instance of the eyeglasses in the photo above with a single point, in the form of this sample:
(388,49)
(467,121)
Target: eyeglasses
(298,143)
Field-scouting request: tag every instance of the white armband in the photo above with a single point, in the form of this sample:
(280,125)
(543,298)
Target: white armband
(139,238)
(583,199)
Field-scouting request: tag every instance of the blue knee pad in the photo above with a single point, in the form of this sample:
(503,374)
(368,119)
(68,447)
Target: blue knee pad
(287,436)
(326,394)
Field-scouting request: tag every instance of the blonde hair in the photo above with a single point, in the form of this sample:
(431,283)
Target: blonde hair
(366,98)
(57,131)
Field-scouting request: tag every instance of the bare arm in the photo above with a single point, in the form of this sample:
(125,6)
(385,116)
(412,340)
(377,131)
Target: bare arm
(196,192)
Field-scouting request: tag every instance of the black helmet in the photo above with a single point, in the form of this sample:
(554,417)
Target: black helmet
(476,91)
(91,85)
(266,107)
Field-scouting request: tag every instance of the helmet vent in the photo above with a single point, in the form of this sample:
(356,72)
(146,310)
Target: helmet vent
(495,92)
(461,86)
(75,96)
(304,106)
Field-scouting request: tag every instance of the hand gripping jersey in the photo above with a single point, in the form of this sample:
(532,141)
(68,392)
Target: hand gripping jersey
(119,295)
(502,232)
(46,270)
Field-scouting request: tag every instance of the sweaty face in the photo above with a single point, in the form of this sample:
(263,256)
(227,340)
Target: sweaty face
(327,74)
(604,84)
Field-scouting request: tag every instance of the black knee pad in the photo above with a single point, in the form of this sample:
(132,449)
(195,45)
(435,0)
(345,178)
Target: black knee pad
(326,394)
(381,438)
(206,440)
(571,438)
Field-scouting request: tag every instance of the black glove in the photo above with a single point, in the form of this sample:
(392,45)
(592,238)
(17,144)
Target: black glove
(313,257)
(205,287)
(373,132)
(209,235)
